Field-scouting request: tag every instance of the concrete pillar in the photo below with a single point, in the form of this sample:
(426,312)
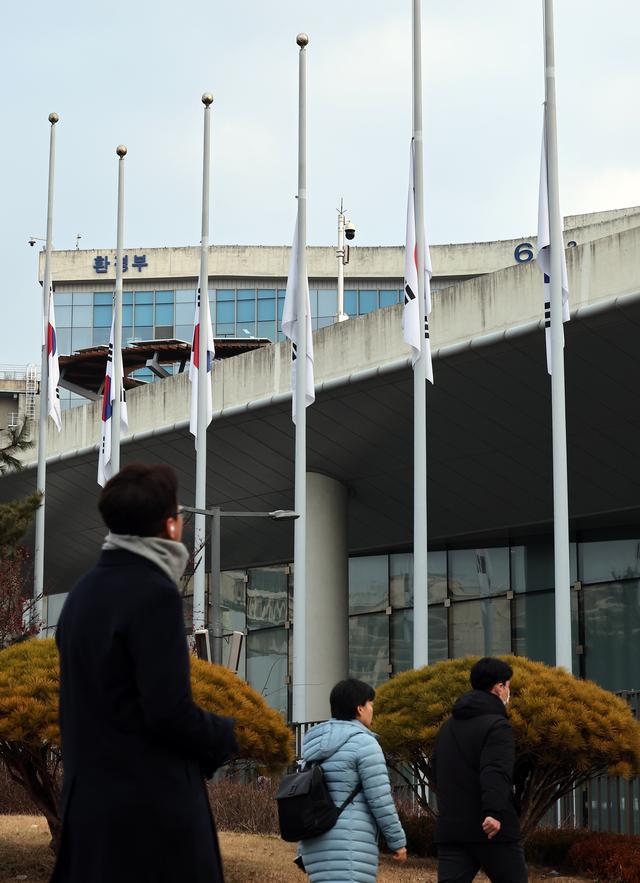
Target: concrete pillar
(327,655)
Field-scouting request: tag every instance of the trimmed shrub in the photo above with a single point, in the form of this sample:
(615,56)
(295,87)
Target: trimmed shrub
(614,858)
(566,730)
(247,807)
(551,846)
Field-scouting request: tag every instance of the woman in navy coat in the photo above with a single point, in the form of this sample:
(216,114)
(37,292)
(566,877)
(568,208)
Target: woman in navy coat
(135,747)
(350,755)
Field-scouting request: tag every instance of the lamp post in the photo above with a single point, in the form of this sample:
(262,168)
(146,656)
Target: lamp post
(217,514)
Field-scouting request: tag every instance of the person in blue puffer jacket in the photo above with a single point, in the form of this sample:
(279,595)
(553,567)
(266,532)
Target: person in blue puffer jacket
(349,754)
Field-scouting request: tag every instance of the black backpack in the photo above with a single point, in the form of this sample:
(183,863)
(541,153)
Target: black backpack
(305,807)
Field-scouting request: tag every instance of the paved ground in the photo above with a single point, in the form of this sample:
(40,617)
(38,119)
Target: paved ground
(248,858)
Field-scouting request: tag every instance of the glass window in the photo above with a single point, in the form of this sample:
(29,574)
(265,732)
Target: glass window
(368,301)
(533,627)
(351,303)
(280,309)
(266,310)
(102,317)
(369,648)
(267,329)
(225,294)
(81,338)
(600,562)
(127,334)
(185,313)
(612,634)
(83,298)
(388,298)
(368,583)
(164,314)
(282,293)
(165,297)
(101,336)
(226,330)
(225,311)
(401,640)
(327,303)
(266,293)
(267,666)
(401,578)
(127,297)
(478,572)
(144,297)
(63,316)
(313,301)
(184,332)
(63,338)
(163,332)
(186,296)
(531,567)
(246,294)
(143,314)
(266,597)
(438,632)
(127,315)
(62,299)
(103,298)
(325,321)
(246,311)
(143,332)
(481,628)
(234,618)
(82,316)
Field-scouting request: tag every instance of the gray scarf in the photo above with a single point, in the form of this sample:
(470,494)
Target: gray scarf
(168,555)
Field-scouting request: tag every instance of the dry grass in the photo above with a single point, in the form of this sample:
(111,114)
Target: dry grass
(248,858)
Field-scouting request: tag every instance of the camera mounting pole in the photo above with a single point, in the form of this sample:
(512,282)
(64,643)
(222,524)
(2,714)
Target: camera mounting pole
(342,254)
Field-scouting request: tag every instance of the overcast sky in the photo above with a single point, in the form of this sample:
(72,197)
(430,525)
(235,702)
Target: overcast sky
(133,72)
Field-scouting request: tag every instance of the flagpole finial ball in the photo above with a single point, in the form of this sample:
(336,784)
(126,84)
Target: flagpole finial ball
(302,40)
(207,99)
(121,150)
(53,118)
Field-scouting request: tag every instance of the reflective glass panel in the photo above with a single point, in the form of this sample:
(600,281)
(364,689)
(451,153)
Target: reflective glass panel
(369,648)
(144,297)
(226,330)
(185,314)
(225,294)
(313,302)
(127,334)
(246,294)
(127,297)
(368,583)
(62,299)
(103,298)
(482,628)
(164,314)
(531,567)
(327,303)
(368,301)
(478,572)
(102,316)
(325,321)
(143,332)
(438,632)
(534,632)
(266,597)
(83,298)
(144,315)
(165,297)
(401,579)
(225,311)
(351,303)
(100,336)
(267,329)
(234,618)
(612,634)
(603,561)
(388,298)
(81,338)
(82,316)
(280,310)
(401,640)
(266,293)
(184,332)
(63,316)
(64,341)
(246,311)
(163,332)
(246,329)
(127,315)
(267,666)
(266,310)
(186,296)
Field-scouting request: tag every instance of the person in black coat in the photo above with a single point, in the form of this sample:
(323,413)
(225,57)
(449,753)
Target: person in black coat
(472,765)
(135,747)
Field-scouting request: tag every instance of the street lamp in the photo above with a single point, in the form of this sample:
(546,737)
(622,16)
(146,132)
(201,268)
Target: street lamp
(346,229)
(216,514)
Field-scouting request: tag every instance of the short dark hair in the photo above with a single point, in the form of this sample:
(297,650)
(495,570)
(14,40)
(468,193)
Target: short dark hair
(139,499)
(488,672)
(347,695)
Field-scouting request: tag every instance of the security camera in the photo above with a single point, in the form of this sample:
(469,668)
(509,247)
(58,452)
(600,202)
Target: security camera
(31,241)
(350,230)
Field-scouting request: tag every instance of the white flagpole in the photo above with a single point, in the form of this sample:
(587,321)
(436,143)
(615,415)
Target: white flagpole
(199,613)
(41,477)
(560,486)
(420,569)
(299,711)
(117,378)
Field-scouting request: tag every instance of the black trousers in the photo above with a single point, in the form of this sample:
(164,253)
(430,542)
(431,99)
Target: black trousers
(501,862)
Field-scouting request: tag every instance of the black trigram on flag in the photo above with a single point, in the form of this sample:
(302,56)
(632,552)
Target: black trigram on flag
(426,328)
(294,351)
(408,294)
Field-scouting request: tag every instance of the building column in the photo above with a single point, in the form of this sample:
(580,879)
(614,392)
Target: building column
(327,657)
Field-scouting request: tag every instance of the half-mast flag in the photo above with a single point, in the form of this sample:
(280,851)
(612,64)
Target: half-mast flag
(114,364)
(544,252)
(53,370)
(193,369)
(290,327)
(413,334)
